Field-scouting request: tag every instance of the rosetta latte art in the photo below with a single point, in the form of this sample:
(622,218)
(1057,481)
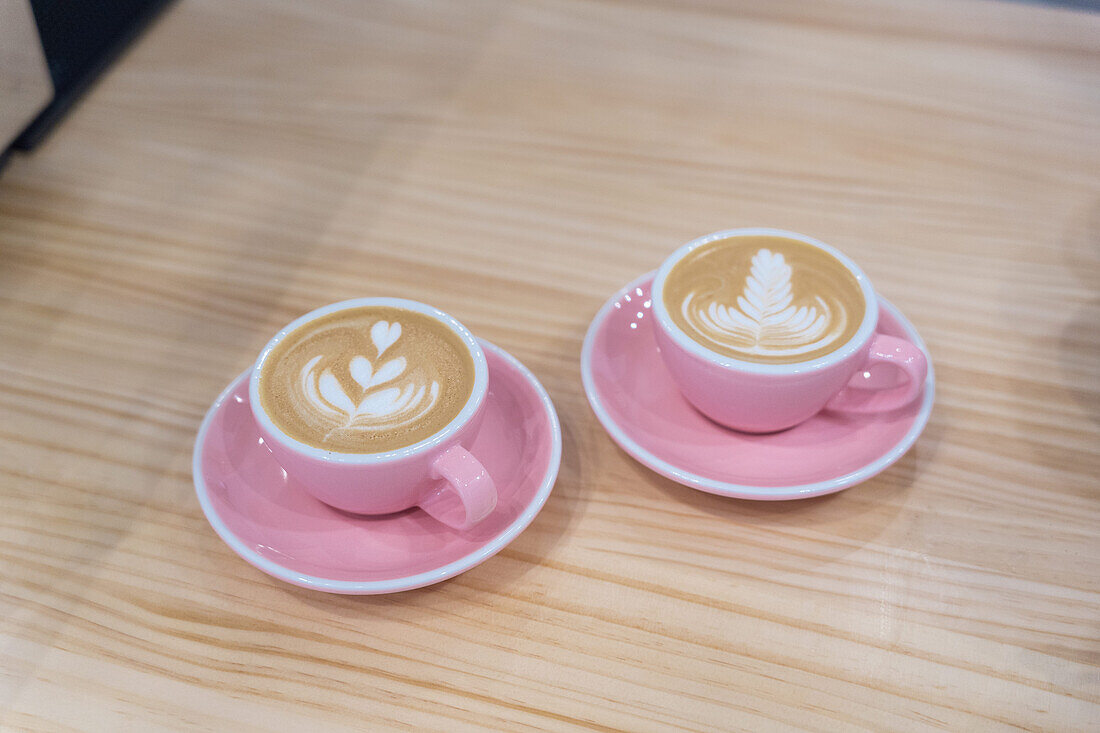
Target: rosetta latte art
(765,320)
(390,398)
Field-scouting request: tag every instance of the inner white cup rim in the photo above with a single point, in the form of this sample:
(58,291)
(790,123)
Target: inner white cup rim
(858,341)
(473,404)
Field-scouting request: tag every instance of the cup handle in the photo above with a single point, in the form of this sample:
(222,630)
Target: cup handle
(467,493)
(863,395)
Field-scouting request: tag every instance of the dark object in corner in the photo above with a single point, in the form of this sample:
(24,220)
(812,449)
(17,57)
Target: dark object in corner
(80,38)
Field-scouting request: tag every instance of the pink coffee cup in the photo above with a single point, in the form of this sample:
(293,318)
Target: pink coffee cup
(437,474)
(760,398)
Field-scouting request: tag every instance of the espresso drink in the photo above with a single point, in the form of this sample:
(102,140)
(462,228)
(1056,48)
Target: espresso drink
(366,380)
(764,299)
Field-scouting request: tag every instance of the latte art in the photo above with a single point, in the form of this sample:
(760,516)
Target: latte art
(765,299)
(764,320)
(366,380)
(376,407)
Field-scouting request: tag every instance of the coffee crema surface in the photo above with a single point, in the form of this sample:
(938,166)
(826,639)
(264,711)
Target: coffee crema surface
(764,299)
(366,380)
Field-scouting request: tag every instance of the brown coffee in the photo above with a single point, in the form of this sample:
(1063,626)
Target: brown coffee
(366,380)
(764,299)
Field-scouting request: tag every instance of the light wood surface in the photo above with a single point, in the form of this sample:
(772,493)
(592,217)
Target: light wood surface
(514,164)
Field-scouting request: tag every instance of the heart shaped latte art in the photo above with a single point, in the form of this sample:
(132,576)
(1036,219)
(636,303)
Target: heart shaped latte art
(384,335)
(381,405)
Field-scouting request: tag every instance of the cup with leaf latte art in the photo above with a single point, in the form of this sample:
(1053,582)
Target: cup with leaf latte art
(370,405)
(762,328)
(765,299)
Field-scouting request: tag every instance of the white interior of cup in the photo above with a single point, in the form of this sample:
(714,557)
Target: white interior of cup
(856,342)
(477,393)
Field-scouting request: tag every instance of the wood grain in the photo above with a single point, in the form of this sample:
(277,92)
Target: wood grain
(514,164)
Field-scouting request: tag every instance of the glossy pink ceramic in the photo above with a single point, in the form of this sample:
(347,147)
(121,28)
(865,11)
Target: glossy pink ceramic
(271,521)
(439,473)
(640,406)
(762,398)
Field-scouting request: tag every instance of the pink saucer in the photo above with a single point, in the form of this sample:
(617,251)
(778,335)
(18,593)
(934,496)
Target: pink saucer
(639,405)
(274,524)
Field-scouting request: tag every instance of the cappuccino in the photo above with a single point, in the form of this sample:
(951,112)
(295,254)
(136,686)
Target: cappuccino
(764,299)
(368,379)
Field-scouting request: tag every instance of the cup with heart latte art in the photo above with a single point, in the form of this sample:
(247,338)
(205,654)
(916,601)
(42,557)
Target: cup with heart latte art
(761,329)
(371,404)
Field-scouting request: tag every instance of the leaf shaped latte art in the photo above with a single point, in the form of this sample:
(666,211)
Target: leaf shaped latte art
(389,396)
(765,319)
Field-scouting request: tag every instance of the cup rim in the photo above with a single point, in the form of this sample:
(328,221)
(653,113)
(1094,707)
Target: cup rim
(856,342)
(477,392)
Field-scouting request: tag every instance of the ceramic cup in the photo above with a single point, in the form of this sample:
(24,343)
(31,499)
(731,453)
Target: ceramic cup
(438,474)
(760,398)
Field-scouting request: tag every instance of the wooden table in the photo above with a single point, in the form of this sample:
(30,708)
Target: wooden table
(515,164)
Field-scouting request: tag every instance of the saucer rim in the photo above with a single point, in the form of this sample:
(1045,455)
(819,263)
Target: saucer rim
(748,491)
(403,583)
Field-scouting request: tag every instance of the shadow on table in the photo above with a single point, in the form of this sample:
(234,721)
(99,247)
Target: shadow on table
(858,514)
(497,573)
(554,522)
(1079,351)
(1079,343)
